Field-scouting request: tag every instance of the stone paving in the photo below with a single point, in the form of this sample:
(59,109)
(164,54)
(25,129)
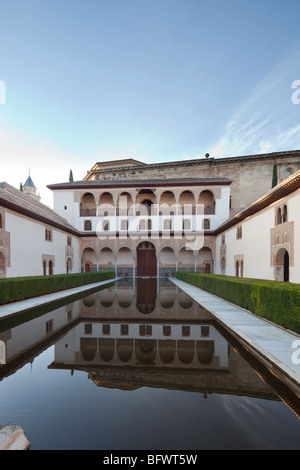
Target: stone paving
(278,346)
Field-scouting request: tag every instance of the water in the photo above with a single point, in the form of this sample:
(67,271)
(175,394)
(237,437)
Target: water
(137,367)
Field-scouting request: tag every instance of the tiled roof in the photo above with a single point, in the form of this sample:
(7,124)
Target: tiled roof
(17,201)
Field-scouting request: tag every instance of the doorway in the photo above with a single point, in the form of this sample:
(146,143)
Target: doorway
(146,259)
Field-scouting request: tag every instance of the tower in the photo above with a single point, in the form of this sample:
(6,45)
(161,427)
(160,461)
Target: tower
(29,189)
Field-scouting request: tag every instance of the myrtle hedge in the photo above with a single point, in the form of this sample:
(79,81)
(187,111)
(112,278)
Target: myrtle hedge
(278,302)
(20,288)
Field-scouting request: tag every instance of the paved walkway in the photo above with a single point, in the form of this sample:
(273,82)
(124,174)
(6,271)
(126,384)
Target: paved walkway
(274,343)
(17,307)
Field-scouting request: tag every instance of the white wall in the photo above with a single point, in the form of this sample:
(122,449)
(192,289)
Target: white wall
(28,244)
(255,244)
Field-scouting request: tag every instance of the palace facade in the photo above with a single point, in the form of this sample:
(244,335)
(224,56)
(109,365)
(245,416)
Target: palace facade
(206,215)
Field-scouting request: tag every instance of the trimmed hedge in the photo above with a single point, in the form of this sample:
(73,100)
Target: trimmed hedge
(20,288)
(272,300)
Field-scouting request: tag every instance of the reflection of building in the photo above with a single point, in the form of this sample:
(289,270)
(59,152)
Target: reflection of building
(151,220)
(187,351)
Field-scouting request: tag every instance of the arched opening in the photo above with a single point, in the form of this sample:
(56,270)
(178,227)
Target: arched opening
(124,205)
(187,203)
(44,268)
(167,262)
(186,260)
(167,203)
(206,202)
(144,202)
(69,265)
(87,225)
(125,262)
(106,205)
(50,268)
(2,265)
(282,265)
(89,259)
(237,269)
(106,259)
(87,205)
(146,259)
(146,295)
(205,260)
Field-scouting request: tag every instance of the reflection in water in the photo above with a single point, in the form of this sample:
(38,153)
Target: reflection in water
(139,334)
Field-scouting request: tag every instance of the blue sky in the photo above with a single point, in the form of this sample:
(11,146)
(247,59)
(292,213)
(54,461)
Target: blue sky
(162,80)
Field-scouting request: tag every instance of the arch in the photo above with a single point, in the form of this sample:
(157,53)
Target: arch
(125,204)
(205,259)
(205,351)
(145,351)
(88,348)
(106,258)
(2,264)
(278,216)
(207,202)
(44,268)
(187,203)
(125,262)
(89,259)
(50,268)
(167,350)
(106,348)
(223,265)
(124,349)
(146,259)
(69,265)
(284,214)
(186,259)
(87,205)
(167,203)
(237,269)
(282,263)
(106,205)
(185,349)
(87,225)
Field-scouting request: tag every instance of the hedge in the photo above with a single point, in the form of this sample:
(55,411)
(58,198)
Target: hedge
(278,302)
(20,288)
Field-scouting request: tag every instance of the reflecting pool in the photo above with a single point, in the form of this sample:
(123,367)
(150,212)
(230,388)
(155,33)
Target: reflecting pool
(137,365)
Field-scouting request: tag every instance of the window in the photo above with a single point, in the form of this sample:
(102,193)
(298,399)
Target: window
(106,226)
(166,330)
(88,328)
(49,326)
(69,241)
(206,224)
(87,225)
(124,330)
(48,235)
(65,207)
(186,331)
(223,240)
(145,330)
(106,329)
(239,232)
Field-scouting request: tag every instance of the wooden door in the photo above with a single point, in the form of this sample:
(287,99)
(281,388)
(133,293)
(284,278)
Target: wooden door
(146,260)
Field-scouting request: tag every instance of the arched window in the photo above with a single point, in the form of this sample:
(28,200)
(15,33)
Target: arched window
(284,215)
(278,218)
(206,224)
(105,225)
(87,225)
(50,268)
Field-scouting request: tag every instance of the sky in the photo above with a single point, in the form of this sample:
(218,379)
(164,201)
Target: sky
(83,81)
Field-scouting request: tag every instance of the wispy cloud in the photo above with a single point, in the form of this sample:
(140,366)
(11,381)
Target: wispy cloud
(267,120)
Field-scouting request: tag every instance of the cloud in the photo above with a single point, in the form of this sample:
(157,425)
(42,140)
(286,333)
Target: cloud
(267,120)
